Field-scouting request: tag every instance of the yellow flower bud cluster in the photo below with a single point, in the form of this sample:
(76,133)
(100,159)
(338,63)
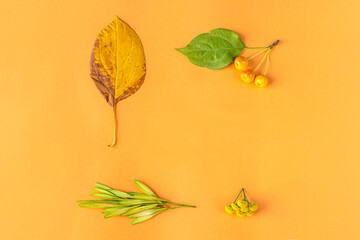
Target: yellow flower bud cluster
(242,208)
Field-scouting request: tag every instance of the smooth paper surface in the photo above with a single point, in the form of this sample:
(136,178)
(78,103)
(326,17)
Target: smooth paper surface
(194,135)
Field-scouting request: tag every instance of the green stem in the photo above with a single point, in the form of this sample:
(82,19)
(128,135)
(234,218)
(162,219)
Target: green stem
(172,207)
(242,190)
(266,49)
(181,205)
(245,198)
(255,47)
(269,47)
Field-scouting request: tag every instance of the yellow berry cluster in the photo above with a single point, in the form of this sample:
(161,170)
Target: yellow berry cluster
(243,207)
(247,74)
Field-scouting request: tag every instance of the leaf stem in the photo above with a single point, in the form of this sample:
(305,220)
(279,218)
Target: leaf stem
(258,53)
(264,48)
(255,47)
(115,127)
(267,62)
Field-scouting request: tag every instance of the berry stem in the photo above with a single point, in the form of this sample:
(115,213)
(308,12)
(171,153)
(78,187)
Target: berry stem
(258,53)
(242,190)
(245,198)
(255,47)
(262,60)
(264,48)
(267,62)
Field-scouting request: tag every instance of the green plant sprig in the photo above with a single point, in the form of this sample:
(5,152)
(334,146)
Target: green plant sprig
(242,207)
(216,49)
(245,198)
(141,206)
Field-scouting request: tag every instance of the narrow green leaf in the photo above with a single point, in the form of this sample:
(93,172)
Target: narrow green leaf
(120,194)
(111,209)
(103,195)
(144,218)
(117,193)
(102,186)
(106,201)
(100,190)
(146,212)
(95,205)
(134,193)
(214,50)
(139,209)
(136,202)
(148,197)
(145,189)
(119,212)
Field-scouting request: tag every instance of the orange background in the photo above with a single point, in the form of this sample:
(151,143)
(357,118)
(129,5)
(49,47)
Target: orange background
(194,135)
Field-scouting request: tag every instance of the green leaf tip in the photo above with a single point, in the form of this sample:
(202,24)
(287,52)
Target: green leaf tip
(102,186)
(145,189)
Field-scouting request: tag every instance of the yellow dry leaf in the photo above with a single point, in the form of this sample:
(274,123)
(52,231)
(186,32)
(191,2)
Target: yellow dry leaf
(117,64)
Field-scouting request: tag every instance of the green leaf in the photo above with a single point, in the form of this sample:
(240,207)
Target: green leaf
(147,197)
(92,204)
(130,202)
(102,186)
(100,190)
(106,201)
(103,189)
(134,193)
(102,195)
(111,209)
(144,218)
(118,212)
(139,209)
(145,189)
(120,194)
(146,212)
(214,50)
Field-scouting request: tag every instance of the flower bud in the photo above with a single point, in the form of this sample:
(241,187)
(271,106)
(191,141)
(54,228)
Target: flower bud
(229,210)
(253,207)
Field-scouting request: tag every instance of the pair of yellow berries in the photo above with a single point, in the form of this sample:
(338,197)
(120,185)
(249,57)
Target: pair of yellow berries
(242,208)
(248,75)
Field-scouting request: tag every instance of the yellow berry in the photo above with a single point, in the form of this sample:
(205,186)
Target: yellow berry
(247,75)
(261,81)
(241,63)
(253,207)
(234,206)
(229,210)
(240,213)
(242,203)
(244,209)
(250,213)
